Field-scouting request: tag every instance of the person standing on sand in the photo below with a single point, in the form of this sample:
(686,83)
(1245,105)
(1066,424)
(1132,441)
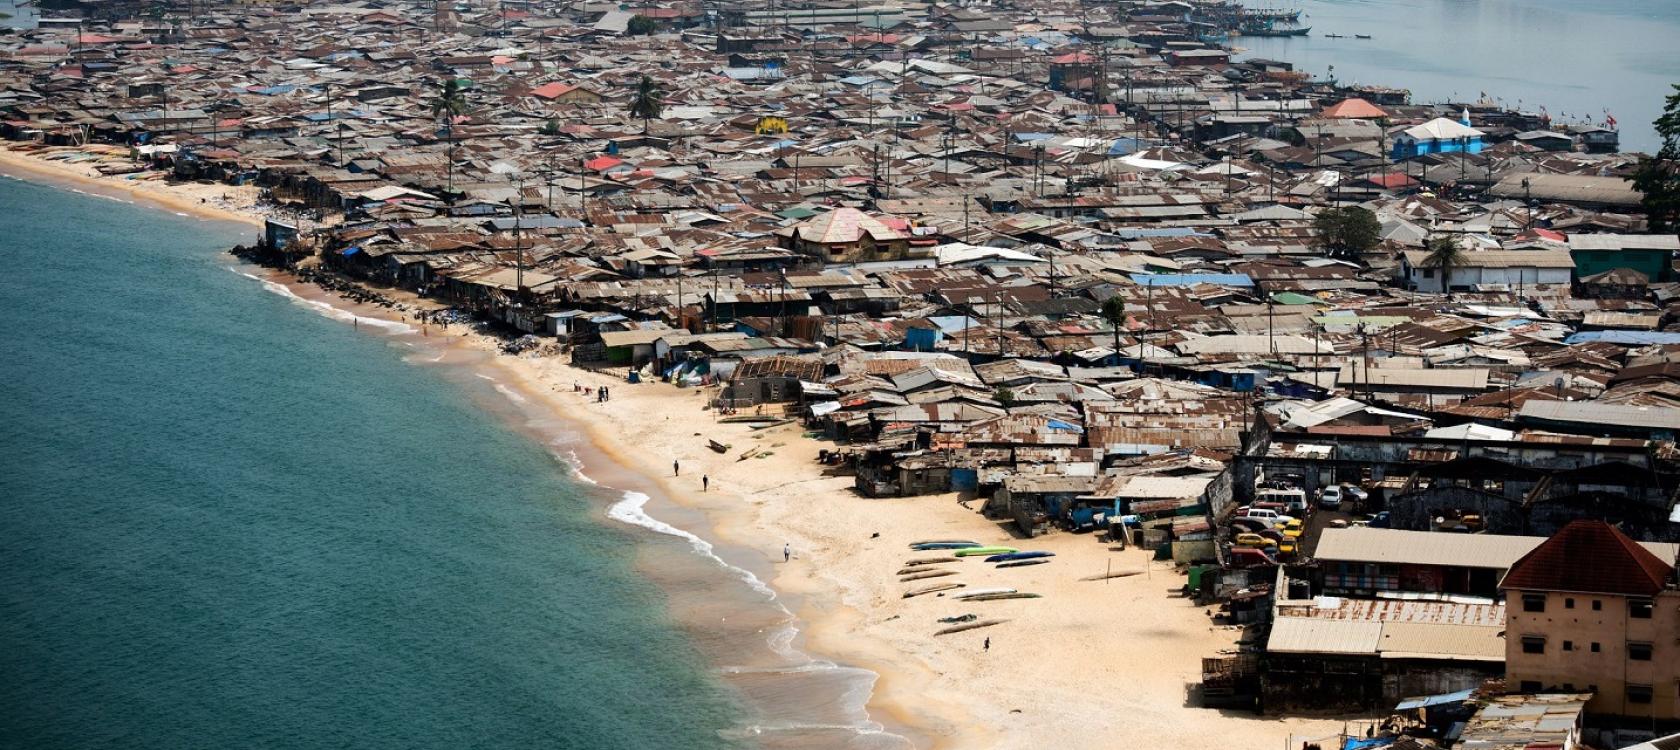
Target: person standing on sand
(988,645)
(705,482)
(676,470)
(787,553)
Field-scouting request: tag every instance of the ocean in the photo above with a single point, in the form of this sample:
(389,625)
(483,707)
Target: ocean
(228,518)
(1577,59)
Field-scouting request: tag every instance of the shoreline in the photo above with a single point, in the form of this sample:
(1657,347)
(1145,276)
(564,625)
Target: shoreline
(620,474)
(182,199)
(944,692)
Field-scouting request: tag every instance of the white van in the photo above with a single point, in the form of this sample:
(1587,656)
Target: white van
(1294,500)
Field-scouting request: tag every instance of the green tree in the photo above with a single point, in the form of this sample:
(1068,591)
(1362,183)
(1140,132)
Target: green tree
(1004,396)
(1445,254)
(1347,232)
(641,25)
(648,102)
(1114,311)
(1658,177)
(449,103)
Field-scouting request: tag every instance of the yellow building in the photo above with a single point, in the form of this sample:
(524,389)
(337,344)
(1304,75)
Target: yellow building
(1592,610)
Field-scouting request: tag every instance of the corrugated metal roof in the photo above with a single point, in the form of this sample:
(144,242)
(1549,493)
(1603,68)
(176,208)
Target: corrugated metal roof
(1596,412)
(1311,635)
(1396,546)
(1415,640)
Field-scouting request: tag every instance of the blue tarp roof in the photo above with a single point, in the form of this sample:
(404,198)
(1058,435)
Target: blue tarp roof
(352,250)
(273,90)
(1192,279)
(1057,424)
(1626,338)
(1355,743)
(1124,146)
(1434,700)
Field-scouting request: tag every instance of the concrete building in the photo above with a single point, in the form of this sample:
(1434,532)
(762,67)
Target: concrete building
(1591,609)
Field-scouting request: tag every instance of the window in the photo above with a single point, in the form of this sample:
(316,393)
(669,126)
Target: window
(1595,647)
(1568,603)
(1534,644)
(1597,605)
(1569,645)
(1534,602)
(1429,273)
(1638,693)
(1530,686)
(1639,608)
(1639,651)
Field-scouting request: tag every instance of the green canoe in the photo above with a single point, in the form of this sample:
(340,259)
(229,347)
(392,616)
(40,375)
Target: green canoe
(971,551)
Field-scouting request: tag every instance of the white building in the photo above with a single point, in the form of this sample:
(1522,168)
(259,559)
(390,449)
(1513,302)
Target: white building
(1512,269)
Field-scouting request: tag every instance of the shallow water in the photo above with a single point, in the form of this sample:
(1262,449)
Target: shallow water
(228,521)
(575,607)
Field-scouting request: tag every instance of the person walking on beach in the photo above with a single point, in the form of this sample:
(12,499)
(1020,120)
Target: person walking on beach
(787,553)
(988,645)
(705,482)
(676,470)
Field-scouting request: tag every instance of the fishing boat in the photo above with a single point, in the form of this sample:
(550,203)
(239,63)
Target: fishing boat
(1010,556)
(1334,36)
(941,544)
(937,587)
(982,592)
(1022,563)
(1267,28)
(928,574)
(972,551)
(997,597)
(1361,36)
(969,626)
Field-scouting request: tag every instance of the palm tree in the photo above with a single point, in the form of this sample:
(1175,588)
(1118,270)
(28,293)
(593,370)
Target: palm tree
(449,103)
(1114,311)
(648,102)
(1444,253)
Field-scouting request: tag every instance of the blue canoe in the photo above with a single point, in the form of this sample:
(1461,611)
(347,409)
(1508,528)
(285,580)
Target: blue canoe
(1012,556)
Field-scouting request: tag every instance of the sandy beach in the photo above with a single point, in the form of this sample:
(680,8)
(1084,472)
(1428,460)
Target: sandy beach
(1090,664)
(78,167)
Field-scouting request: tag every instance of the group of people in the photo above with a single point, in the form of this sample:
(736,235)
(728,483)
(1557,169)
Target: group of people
(601,394)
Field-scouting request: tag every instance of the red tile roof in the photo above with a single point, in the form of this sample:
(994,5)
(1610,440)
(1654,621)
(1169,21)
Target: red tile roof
(1589,557)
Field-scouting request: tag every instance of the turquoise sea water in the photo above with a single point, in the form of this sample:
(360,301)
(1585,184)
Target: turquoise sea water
(1574,57)
(226,521)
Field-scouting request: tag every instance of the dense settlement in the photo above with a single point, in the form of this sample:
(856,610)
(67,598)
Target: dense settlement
(1075,260)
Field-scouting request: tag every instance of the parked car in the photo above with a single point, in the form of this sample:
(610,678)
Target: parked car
(1249,524)
(1355,494)
(1378,521)
(1253,541)
(1266,514)
(1330,498)
(1292,529)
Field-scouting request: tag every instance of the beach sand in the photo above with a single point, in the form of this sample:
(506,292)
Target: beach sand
(1092,664)
(76,166)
